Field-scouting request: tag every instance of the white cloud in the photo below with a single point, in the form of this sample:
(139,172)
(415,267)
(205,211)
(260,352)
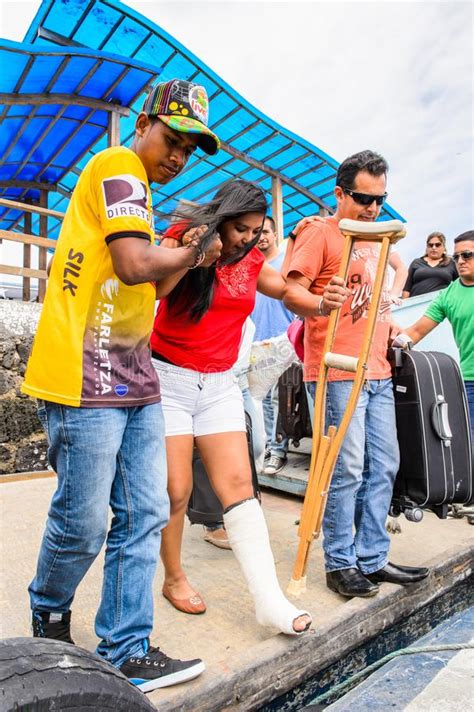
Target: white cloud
(393,76)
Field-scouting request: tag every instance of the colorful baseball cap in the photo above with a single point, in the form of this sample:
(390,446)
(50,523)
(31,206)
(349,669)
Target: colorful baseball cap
(183,106)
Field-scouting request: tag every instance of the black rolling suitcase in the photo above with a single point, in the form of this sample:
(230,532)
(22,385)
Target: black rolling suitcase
(203,506)
(433,433)
(294,420)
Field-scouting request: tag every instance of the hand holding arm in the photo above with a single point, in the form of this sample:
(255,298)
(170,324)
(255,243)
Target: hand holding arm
(303,223)
(300,300)
(194,237)
(136,261)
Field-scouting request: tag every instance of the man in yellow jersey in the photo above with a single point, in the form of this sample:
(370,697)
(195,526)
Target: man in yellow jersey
(98,393)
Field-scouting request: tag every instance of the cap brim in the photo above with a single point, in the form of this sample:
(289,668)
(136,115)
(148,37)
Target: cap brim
(207,140)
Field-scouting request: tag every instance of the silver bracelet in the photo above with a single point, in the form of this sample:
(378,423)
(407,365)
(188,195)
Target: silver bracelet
(320,311)
(200,257)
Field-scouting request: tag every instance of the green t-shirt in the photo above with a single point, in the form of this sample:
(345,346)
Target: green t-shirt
(456,304)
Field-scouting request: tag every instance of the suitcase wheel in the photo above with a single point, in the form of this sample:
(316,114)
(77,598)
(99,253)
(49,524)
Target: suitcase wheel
(413,515)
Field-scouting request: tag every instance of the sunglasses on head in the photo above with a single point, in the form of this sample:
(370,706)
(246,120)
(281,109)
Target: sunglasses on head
(466,255)
(435,244)
(365,198)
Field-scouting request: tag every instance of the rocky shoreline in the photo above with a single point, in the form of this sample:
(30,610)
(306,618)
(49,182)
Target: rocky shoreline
(23,444)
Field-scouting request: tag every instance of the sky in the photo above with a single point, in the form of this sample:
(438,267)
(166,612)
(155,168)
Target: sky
(396,77)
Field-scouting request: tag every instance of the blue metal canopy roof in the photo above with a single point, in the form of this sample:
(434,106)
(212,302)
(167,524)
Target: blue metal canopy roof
(254,145)
(55,104)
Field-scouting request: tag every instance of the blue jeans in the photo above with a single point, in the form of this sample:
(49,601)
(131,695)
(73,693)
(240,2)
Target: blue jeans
(362,482)
(270,414)
(105,457)
(469,386)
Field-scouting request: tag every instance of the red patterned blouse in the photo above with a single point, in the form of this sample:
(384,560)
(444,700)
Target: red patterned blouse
(212,344)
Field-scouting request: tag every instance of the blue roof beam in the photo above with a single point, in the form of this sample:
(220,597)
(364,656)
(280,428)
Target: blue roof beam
(276,174)
(63,99)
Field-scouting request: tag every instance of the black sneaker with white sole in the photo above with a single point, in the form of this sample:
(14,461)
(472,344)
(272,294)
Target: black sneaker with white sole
(155,669)
(56,626)
(274,464)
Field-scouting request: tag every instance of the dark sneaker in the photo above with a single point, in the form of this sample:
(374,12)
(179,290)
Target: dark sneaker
(267,455)
(274,464)
(155,670)
(52,625)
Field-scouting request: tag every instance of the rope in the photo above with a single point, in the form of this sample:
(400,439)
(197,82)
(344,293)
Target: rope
(379,663)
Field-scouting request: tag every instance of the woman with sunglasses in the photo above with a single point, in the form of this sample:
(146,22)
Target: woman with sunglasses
(195,343)
(433,271)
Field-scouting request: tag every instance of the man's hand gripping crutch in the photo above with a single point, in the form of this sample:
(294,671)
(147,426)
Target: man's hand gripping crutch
(325,446)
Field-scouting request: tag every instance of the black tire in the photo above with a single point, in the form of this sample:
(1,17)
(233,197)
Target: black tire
(41,675)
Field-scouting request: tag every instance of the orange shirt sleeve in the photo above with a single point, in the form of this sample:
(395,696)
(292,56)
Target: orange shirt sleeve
(317,254)
(309,251)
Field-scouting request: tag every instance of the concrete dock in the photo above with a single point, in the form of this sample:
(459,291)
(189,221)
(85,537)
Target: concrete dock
(246,665)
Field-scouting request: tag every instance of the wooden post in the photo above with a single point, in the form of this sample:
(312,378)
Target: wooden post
(113,133)
(42,257)
(277,208)
(27,260)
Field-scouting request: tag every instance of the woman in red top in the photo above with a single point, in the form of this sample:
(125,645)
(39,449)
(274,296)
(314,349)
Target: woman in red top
(195,343)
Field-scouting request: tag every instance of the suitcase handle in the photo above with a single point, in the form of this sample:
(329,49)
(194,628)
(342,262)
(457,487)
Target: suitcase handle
(440,421)
(397,353)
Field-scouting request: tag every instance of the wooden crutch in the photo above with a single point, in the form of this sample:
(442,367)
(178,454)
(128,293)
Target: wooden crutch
(325,447)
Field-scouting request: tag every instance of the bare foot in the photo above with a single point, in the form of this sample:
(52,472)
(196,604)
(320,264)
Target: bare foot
(301,623)
(180,588)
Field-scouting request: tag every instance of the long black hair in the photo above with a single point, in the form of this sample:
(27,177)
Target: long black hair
(236,197)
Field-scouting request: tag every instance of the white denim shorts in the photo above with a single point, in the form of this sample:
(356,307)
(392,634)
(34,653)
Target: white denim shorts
(197,403)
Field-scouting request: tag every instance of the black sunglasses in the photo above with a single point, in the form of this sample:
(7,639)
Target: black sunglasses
(435,244)
(466,255)
(365,198)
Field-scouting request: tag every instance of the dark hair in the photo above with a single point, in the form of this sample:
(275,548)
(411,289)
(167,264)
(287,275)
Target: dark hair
(439,235)
(469,235)
(367,160)
(271,221)
(445,259)
(194,292)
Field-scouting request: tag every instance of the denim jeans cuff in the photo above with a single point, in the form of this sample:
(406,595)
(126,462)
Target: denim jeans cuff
(372,569)
(137,650)
(279,451)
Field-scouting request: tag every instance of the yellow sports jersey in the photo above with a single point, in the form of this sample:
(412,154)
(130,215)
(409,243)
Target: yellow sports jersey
(92,344)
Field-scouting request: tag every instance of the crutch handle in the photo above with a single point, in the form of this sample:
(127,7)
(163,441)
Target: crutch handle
(340,361)
(373,230)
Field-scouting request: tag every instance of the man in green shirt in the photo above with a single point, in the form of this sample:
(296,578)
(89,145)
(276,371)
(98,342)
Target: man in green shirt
(456,304)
